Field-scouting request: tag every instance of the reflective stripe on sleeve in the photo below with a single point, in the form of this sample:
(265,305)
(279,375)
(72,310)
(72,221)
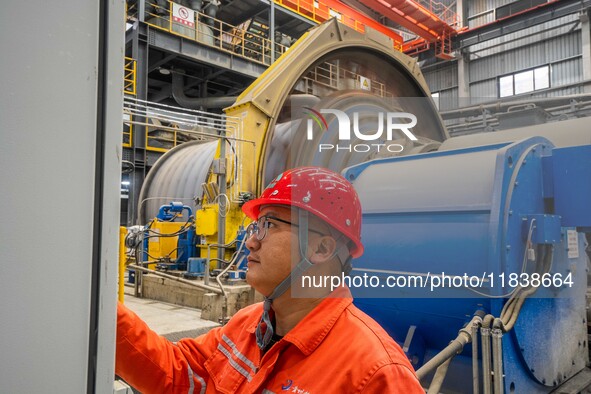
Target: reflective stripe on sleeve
(238,354)
(192,383)
(233,363)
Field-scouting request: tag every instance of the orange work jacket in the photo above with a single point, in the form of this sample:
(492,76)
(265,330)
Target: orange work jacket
(336,348)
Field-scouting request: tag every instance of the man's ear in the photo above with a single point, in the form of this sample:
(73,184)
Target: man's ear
(323,249)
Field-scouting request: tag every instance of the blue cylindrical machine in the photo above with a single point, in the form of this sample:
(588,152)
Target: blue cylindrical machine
(485,212)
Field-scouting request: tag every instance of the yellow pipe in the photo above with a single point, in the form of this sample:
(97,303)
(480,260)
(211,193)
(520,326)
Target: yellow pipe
(122,258)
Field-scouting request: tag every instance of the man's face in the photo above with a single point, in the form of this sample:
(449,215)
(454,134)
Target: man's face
(271,259)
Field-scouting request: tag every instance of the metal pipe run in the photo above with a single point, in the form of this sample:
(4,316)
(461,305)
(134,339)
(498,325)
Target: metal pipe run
(439,377)
(486,369)
(485,340)
(230,263)
(454,347)
(475,382)
(450,351)
(178,93)
(187,282)
(497,346)
(500,106)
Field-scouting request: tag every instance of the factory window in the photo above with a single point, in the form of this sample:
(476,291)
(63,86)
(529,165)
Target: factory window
(524,81)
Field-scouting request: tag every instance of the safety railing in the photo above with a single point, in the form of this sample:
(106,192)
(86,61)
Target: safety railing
(442,11)
(131,10)
(127,129)
(319,12)
(185,22)
(336,77)
(315,11)
(168,126)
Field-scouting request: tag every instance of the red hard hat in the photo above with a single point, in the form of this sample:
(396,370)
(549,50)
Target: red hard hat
(322,192)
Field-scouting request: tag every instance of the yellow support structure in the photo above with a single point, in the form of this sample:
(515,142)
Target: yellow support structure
(129,88)
(129,76)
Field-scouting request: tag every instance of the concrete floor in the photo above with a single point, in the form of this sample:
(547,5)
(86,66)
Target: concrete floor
(171,321)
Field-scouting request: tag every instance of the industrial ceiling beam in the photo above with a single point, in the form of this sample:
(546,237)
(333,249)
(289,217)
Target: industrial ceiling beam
(411,16)
(360,17)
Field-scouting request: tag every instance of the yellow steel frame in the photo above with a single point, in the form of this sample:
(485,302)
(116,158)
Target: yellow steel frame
(307,9)
(129,87)
(127,133)
(131,11)
(173,140)
(129,76)
(318,12)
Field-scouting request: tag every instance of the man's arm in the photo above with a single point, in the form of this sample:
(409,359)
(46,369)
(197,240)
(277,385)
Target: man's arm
(393,379)
(152,364)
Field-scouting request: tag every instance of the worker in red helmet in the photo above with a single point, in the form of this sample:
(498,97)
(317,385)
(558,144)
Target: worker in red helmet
(306,222)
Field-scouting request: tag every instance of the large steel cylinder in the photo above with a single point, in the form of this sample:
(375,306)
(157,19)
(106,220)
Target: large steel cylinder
(431,220)
(176,176)
(332,66)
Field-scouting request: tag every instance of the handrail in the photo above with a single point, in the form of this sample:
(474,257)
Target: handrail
(319,11)
(131,11)
(172,126)
(215,33)
(307,9)
(328,74)
(127,129)
(442,11)
(168,126)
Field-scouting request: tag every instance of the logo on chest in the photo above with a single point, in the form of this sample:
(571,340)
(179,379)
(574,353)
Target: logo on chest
(292,387)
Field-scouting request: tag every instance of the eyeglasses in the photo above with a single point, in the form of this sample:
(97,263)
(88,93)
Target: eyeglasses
(259,227)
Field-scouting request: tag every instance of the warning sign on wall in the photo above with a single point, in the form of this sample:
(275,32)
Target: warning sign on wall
(364,83)
(183,15)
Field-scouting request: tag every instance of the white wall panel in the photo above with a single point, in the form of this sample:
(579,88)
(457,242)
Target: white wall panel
(49,128)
